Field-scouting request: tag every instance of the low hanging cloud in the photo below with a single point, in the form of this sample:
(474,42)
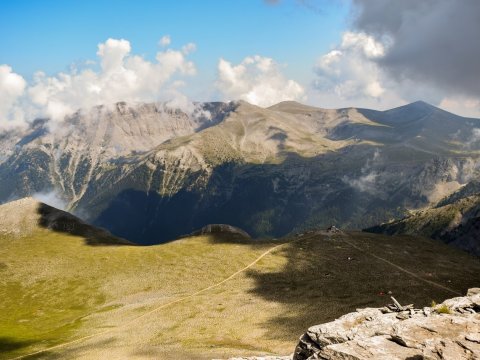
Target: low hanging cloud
(258,80)
(122,76)
(433,41)
(368,180)
(52,198)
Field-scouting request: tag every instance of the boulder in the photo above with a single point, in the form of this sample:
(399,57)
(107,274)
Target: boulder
(450,330)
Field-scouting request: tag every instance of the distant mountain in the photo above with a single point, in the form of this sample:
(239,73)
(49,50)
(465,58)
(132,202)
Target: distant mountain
(454,220)
(149,173)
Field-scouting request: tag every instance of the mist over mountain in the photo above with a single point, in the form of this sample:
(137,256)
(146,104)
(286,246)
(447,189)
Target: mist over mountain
(150,173)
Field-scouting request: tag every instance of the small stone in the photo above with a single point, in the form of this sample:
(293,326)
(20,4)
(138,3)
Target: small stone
(473,337)
(473,291)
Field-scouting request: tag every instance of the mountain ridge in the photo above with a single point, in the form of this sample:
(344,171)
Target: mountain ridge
(270,171)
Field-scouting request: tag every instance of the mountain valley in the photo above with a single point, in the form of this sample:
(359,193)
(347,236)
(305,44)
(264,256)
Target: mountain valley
(149,173)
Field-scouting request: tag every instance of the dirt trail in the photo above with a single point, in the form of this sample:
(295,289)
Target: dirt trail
(398,267)
(88,337)
(253,263)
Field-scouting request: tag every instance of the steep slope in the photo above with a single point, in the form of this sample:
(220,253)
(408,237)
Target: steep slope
(207,296)
(454,220)
(66,156)
(268,171)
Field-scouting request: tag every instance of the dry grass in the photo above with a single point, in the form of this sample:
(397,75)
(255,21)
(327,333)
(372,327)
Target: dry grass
(60,289)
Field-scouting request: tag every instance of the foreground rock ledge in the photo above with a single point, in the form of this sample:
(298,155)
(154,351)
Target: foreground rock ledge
(450,330)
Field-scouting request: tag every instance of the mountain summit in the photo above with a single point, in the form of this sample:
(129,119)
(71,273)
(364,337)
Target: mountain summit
(150,173)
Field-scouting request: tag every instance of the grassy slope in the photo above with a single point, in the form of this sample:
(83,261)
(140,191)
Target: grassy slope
(57,289)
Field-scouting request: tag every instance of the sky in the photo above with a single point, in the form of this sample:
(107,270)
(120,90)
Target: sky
(59,56)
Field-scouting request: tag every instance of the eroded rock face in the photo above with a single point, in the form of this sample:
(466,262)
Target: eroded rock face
(450,330)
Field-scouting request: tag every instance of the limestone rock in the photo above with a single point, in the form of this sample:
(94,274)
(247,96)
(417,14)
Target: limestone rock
(450,330)
(263,358)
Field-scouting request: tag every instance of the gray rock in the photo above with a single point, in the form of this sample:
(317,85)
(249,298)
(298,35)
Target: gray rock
(473,291)
(451,330)
(263,358)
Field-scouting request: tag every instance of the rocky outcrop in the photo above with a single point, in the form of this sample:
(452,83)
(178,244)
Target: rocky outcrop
(447,331)
(263,358)
(450,330)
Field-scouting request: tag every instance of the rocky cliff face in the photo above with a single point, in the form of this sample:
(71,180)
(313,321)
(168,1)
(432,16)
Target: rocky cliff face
(150,174)
(67,157)
(448,331)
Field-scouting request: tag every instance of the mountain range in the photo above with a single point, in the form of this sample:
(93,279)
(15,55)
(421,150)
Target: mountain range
(149,173)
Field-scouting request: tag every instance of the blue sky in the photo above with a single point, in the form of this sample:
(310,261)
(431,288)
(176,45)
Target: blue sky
(327,53)
(50,35)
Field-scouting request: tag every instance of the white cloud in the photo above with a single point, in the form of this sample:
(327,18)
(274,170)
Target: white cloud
(349,70)
(189,48)
(258,80)
(165,40)
(467,106)
(12,87)
(52,198)
(368,180)
(122,77)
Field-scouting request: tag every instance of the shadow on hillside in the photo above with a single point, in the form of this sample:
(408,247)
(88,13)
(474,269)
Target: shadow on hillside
(61,221)
(325,277)
(8,344)
(261,199)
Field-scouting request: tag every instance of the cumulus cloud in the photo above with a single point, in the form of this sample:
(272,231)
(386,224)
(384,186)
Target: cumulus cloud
(12,87)
(466,105)
(258,80)
(349,70)
(122,77)
(403,51)
(434,41)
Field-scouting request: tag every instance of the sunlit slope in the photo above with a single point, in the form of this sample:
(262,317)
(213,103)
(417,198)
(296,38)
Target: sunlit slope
(178,300)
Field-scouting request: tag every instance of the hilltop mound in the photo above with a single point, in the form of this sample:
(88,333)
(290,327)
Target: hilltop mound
(22,217)
(221,229)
